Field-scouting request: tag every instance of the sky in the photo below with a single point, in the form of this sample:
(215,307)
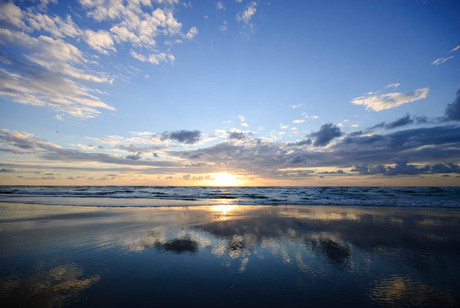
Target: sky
(173,92)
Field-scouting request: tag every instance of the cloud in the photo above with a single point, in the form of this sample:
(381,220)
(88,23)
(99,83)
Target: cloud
(400,122)
(22,143)
(326,134)
(5,170)
(403,168)
(269,158)
(153,58)
(183,136)
(455,48)
(296,106)
(55,25)
(101,41)
(379,100)
(33,85)
(441,60)
(192,33)
(137,156)
(50,42)
(247,14)
(298,121)
(242,121)
(236,135)
(220,5)
(223,26)
(403,121)
(12,14)
(452,112)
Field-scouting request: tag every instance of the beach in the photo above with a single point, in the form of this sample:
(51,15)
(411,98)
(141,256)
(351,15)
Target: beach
(227,255)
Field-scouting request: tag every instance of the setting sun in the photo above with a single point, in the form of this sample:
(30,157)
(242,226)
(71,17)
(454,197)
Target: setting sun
(225,179)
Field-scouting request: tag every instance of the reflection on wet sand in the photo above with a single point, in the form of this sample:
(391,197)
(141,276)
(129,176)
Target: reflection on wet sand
(405,292)
(45,288)
(381,256)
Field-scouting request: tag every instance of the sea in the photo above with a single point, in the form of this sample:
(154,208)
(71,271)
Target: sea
(165,196)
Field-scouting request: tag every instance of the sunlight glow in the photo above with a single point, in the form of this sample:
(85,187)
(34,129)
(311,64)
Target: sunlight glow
(223,208)
(225,179)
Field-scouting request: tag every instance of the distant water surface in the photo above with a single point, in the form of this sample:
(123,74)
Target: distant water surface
(148,196)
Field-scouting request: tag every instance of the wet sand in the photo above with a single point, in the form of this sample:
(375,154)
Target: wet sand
(264,256)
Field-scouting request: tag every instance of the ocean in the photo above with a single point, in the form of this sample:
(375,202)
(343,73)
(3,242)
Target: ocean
(153,196)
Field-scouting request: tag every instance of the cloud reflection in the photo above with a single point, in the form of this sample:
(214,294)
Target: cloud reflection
(405,292)
(46,288)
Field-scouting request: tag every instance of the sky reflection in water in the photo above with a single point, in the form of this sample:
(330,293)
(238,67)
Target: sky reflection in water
(228,255)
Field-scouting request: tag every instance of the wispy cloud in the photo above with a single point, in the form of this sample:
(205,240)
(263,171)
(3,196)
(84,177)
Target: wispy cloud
(50,69)
(455,48)
(33,85)
(220,5)
(441,60)
(246,16)
(243,121)
(192,33)
(382,100)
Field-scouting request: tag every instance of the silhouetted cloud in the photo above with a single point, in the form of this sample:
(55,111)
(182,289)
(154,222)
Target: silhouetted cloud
(332,172)
(4,170)
(403,167)
(404,121)
(134,157)
(300,143)
(326,133)
(236,135)
(400,122)
(183,136)
(452,112)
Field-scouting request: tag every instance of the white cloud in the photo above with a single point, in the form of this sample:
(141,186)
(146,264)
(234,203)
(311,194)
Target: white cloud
(242,120)
(100,41)
(223,26)
(50,83)
(379,100)
(12,14)
(49,42)
(298,121)
(154,58)
(134,22)
(220,5)
(192,33)
(296,106)
(441,60)
(455,48)
(247,14)
(54,25)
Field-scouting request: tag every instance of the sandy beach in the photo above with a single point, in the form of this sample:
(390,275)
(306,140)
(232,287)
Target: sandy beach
(228,255)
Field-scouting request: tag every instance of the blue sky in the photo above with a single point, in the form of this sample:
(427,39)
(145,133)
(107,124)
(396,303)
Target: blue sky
(171,92)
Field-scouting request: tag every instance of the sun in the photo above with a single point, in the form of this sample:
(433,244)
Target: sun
(225,179)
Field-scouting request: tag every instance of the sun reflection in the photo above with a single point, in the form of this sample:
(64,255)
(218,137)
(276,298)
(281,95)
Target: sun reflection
(223,208)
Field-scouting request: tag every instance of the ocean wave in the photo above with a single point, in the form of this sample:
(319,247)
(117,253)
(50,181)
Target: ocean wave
(131,196)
